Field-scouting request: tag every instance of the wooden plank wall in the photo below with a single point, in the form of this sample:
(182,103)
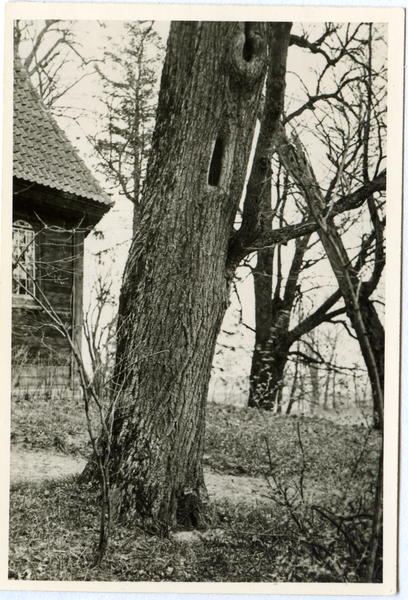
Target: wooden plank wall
(59,263)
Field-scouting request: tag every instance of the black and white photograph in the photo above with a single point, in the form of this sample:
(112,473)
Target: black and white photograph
(202,364)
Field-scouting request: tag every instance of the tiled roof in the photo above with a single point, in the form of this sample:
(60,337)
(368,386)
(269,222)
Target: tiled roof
(42,152)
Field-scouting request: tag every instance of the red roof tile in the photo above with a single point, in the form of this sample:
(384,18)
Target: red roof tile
(42,152)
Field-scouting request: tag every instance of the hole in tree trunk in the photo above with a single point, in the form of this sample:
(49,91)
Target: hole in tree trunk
(248,49)
(216,163)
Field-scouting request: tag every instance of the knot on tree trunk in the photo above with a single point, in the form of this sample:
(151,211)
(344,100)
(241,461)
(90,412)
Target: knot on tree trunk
(248,54)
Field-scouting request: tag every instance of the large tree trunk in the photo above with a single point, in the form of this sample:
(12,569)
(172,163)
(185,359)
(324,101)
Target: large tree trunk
(176,285)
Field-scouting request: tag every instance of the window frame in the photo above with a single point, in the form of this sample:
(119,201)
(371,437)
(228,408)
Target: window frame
(24,246)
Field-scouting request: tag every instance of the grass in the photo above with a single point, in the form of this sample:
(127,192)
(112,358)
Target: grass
(41,423)
(314,525)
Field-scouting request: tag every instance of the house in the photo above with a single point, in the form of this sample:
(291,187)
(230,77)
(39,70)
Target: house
(56,203)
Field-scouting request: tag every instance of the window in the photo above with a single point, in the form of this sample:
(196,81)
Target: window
(24,255)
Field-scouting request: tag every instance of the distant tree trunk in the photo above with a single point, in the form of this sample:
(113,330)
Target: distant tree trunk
(292,397)
(357,396)
(313,369)
(272,317)
(334,389)
(314,380)
(176,284)
(326,390)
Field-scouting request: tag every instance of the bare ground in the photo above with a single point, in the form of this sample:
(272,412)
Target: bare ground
(39,465)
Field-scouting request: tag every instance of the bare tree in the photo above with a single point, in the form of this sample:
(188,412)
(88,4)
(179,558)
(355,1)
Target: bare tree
(345,52)
(46,48)
(129,73)
(361,312)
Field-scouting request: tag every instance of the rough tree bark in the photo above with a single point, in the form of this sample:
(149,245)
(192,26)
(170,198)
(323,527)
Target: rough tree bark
(177,282)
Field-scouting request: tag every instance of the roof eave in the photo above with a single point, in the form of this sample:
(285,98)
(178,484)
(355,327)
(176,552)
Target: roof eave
(66,205)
